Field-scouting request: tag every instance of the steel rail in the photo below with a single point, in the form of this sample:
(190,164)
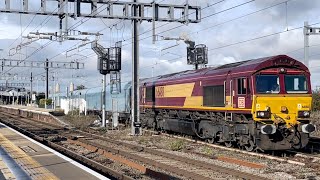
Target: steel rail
(196,163)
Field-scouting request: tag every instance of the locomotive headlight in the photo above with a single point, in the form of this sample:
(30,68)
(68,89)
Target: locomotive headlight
(284,109)
(303,114)
(263,114)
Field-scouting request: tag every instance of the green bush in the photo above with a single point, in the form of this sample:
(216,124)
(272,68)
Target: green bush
(45,101)
(177,145)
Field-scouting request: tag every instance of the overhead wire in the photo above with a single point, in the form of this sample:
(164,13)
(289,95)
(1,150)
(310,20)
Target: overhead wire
(110,26)
(48,21)
(49,16)
(182,25)
(260,10)
(241,42)
(189,14)
(226,21)
(23,30)
(260,37)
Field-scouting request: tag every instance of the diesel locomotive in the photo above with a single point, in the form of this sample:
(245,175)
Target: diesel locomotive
(260,104)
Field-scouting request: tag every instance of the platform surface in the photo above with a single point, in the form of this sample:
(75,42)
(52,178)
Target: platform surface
(30,108)
(21,158)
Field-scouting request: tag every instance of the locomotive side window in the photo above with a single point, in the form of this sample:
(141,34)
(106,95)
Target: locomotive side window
(150,93)
(213,96)
(242,85)
(267,84)
(295,84)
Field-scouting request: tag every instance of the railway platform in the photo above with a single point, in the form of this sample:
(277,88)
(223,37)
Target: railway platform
(41,114)
(24,158)
(29,108)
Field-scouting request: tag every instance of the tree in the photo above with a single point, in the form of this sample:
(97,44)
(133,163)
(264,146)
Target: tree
(80,87)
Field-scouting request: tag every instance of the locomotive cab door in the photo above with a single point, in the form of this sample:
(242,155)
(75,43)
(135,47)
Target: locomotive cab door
(241,92)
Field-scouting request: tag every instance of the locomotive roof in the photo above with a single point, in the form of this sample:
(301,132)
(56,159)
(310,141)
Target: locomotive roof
(252,65)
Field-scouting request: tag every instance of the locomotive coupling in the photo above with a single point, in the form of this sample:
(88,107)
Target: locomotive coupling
(308,128)
(268,129)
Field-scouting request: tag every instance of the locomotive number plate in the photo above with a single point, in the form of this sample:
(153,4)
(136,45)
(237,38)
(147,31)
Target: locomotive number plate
(241,102)
(160,91)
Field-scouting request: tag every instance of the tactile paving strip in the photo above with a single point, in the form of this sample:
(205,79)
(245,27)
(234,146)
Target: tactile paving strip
(29,165)
(6,171)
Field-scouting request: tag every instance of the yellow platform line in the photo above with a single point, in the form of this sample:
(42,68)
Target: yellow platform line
(30,166)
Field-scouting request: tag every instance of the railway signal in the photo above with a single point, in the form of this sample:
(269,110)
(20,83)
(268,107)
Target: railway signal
(196,54)
(109,62)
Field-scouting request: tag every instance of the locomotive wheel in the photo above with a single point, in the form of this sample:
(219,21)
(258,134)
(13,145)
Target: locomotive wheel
(228,144)
(250,146)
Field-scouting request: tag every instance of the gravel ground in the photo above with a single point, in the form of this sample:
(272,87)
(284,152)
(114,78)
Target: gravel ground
(106,162)
(315,116)
(164,161)
(273,170)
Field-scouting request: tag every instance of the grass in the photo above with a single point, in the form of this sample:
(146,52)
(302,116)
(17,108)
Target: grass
(80,122)
(142,140)
(208,151)
(177,145)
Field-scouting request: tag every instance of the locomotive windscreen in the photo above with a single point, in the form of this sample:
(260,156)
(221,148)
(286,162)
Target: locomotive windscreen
(213,96)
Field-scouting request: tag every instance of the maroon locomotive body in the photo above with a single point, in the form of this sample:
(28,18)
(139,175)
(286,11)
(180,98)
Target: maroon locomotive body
(262,103)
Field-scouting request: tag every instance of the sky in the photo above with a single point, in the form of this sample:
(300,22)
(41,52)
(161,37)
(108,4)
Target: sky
(233,30)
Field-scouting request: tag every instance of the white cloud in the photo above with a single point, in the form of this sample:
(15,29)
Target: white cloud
(263,23)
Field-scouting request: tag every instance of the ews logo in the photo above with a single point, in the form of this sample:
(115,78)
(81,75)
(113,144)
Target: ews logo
(160,91)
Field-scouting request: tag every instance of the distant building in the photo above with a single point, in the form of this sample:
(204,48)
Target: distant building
(10,94)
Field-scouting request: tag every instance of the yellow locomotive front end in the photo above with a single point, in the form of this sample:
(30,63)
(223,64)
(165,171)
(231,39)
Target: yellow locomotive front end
(281,107)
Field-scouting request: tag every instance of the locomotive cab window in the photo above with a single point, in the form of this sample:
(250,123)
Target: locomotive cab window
(267,84)
(243,86)
(150,95)
(295,84)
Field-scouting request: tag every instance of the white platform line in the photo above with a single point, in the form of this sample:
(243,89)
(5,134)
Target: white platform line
(88,170)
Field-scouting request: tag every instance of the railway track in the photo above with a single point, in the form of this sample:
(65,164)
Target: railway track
(46,135)
(302,157)
(139,157)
